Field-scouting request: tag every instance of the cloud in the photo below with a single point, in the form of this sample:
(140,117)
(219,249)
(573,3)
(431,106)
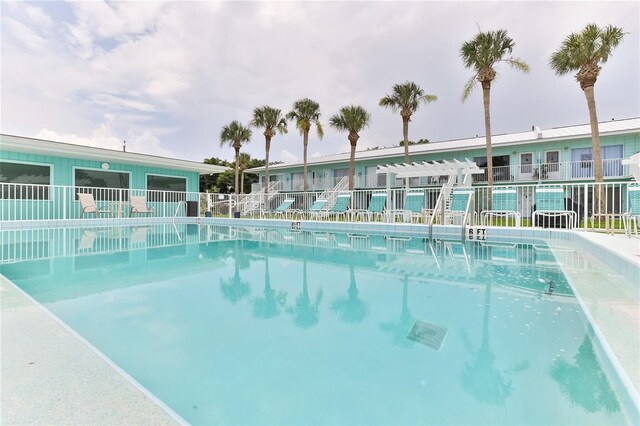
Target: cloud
(316,155)
(179,71)
(287,157)
(104,137)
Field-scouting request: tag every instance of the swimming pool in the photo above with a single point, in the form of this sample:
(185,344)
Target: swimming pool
(243,325)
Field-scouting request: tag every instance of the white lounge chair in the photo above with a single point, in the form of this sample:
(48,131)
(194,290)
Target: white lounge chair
(139,206)
(88,204)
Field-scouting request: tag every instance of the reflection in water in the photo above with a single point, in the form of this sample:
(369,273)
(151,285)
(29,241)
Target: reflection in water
(399,328)
(305,313)
(584,383)
(352,308)
(480,377)
(235,288)
(270,304)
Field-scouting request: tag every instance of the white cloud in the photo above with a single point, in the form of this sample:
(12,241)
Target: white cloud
(182,70)
(316,155)
(287,157)
(103,137)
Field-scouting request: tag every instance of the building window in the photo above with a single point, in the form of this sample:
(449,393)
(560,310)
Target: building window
(105,186)
(501,168)
(158,186)
(29,181)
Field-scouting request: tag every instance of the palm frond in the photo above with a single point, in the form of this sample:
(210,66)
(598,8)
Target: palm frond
(234,133)
(306,112)
(351,118)
(518,64)
(468,87)
(591,46)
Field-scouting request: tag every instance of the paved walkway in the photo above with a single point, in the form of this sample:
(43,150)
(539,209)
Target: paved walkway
(49,376)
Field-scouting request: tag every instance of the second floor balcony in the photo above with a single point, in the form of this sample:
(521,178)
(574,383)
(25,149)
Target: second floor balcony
(545,172)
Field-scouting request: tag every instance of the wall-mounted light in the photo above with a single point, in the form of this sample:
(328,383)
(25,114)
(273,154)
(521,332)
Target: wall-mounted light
(105,166)
(566,148)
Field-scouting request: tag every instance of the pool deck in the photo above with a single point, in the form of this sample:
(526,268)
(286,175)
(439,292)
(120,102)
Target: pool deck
(49,375)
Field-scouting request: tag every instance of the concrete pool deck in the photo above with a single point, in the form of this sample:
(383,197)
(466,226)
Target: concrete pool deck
(50,376)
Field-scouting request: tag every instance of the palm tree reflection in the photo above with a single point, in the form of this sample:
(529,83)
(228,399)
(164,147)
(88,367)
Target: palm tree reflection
(269,305)
(351,308)
(235,288)
(480,377)
(401,326)
(584,383)
(305,312)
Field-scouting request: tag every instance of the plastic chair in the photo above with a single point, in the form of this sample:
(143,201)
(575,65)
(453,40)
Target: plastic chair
(504,203)
(550,202)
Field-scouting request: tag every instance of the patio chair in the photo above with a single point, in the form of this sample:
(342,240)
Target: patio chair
(88,205)
(412,208)
(633,211)
(504,203)
(282,209)
(340,208)
(314,211)
(460,199)
(550,202)
(375,210)
(139,206)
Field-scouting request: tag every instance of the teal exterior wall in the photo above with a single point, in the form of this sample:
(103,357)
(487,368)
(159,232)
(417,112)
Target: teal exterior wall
(63,168)
(630,143)
(60,201)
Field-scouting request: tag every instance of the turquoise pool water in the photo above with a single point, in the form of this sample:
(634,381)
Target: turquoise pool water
(257,326)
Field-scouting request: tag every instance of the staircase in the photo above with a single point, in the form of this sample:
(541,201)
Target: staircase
(250,203)
(331,195)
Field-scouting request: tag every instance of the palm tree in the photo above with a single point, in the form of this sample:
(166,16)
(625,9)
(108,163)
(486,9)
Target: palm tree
(406,98)
(583,52)
(272,120)
(235,134)
(351,119)
(306,112)
(244,160)
(481,54)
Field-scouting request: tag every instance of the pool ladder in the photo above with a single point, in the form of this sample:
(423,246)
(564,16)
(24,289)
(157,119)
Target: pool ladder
(175,215)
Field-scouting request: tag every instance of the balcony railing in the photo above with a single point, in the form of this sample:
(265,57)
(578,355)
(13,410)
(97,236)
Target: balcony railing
(564,171)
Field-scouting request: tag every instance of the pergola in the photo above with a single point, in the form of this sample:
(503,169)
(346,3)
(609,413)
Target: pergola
(461,169)
(634,166)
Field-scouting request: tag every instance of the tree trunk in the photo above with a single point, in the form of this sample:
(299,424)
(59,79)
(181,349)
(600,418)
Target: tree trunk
(352,160)
(486,97)
(242,182)
(597,150)
(405,135)
(237,188)
(266,168)
(305,142)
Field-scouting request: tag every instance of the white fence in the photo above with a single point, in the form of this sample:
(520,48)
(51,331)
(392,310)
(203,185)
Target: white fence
(48,202)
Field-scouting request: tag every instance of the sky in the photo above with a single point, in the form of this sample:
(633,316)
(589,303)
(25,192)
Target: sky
(167,76)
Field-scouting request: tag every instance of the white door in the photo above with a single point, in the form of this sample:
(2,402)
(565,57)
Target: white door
(552,164)
(526,166)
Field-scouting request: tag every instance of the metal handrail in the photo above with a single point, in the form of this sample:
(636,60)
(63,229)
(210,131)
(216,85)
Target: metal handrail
(466,214)
(175,215)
